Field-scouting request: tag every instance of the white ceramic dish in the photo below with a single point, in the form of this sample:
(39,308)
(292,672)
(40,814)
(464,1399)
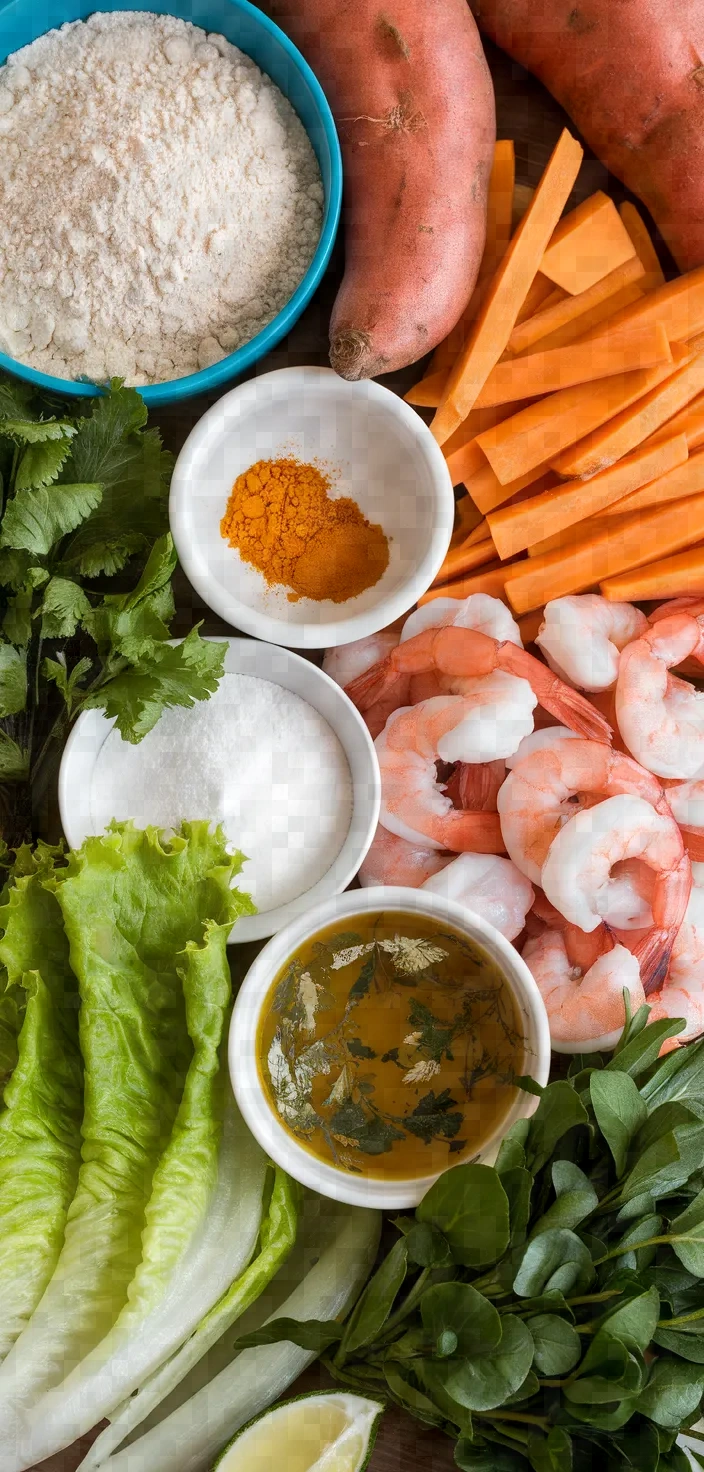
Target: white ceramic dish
(263,1122)
(377,450)
(249,657)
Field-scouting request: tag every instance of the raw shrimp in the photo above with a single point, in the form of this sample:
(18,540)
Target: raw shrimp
(392,860)
(468,654)
(479,611)
(576,875)
(687,802)
(683,992)
(539,741)
(547,787)
(585,1009)
(490,887)
(582,637)
(345,662)
(413,805)
(476,785)
(661,717)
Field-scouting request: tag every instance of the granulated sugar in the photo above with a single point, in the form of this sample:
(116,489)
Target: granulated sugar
(159,199)
(256,758)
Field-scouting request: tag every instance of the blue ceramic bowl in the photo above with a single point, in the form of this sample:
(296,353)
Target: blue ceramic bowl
(22,21)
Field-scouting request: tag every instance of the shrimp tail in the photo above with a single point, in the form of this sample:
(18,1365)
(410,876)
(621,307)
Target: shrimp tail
(372,685)
(653,954)
(475,786)
(693,839)
(568,706)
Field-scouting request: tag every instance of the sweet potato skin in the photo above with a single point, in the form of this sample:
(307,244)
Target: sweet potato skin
(413,101)
(630,73)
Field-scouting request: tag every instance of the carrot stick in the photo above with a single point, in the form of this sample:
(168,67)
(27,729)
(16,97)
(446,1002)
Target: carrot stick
(537,297)
(463,455)
(543,430)
(632,425)
(625,542)
(573,309)
(499,211)
(467,518)
(666,578)
(529,626)
(465,463)
(489,580)
(545,372)
(426,393)
(487,492)
(587,245)
(689,421)
(680,482)
(514,527)
(594,322)
(480,533)
(463,559)
(645,249)
(522,196)
(508,289)
(679,305)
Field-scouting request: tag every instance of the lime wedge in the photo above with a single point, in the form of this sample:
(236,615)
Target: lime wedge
(328,1431)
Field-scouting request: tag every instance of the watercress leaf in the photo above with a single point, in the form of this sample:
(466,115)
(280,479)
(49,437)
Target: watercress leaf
(549,1303)
(679,1075)
(677,1460)
(63,606)
(638,1446)
(483,1383)
(673,1392)
(471,1458)
(558,1347)
(551,1453)
(556,1259)
(529,1085)
(36,519)
(373,1308)
(518,1185)
(14,767)
(619,1111)
(634,1322)
(638,1055)
(576,1198)
(470,1207)
(667,1164)
(688,1346)
(641,1205)
(41,463)
(431,1378)
(686,1233)
(459,1307)
(611,1376)
(512,1155)
(427,1247)
(641,1257)
(559,1110)
(659,1122)
(526,1391)
(172,675)
(37,431)
(311,1334)
(609,1417)
(406,1393)
(13,680)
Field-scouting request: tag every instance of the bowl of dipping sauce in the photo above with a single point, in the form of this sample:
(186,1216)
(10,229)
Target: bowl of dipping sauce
(278,755)
(376,1040)
(337,490)
(179,261)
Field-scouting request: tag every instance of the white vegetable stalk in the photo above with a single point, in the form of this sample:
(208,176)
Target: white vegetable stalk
(189,1438)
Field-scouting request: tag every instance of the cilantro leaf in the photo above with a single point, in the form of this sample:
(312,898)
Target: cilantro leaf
(15,399)
(41,464)
(63,606)
(432,1116)
(14,567)
(131,624)
(170,675)
(13,680)
(134,475)
(14,762)
(56,670)
(102,449)
(17,623)
(37,519)
(37,431)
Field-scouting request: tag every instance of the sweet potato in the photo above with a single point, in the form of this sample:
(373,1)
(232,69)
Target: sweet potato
(629,72)
(413,101)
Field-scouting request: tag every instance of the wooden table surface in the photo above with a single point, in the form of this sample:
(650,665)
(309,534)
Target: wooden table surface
(526,113)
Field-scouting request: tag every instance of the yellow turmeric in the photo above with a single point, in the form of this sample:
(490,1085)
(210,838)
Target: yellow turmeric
(282,521)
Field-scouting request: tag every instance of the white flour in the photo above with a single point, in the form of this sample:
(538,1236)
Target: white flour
(159,199)
(256,758)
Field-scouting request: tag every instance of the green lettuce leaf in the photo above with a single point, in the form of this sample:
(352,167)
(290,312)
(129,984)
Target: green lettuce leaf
(130,904)
(40,1139)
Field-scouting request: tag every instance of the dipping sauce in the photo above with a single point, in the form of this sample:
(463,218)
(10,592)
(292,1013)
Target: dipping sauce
(390,1048)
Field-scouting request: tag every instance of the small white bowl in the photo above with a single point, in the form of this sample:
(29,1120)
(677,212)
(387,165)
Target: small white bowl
(244,1072)
(375,448)
(282,667)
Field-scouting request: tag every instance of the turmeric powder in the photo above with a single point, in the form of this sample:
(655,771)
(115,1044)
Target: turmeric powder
(282,521)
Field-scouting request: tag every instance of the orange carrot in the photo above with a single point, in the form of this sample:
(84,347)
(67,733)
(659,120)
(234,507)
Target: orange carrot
(546,428)
(679,305)
(465,463)
(479,534)
(426,393)
(487,492)
(537,297)
(689,421)
(522,196)
(669,577)
(645,249)
(499,212)
(587,245)
(463,456)
(463,559)
(529,625)
(572,310)
(593,322)
(624,542)
(545,372)
(514,527)
(680,482)
(604,445)
(508,289)
(489,580)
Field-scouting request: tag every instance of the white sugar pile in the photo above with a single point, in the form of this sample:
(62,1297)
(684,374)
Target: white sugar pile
(256,758)
(159,199)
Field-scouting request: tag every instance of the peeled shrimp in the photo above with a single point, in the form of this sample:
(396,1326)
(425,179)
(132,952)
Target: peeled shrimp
(661,717)
(479,611)
(490,887)
(576,875)
(345,662)
(392,860)
(468,654)
(582,637)
(548,786)
(413,804)
(683,992)
(539,741)
(585,1009)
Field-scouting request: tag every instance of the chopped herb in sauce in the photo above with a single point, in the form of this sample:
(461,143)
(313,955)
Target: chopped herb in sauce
(398,1039)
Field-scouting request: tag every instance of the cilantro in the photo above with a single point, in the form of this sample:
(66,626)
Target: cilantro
(13,680)
(169,675)
(432,1117)
(63,607)
(35,520)
(358,1049)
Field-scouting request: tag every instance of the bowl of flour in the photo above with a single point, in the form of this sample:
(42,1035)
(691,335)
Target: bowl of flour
(169,194)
